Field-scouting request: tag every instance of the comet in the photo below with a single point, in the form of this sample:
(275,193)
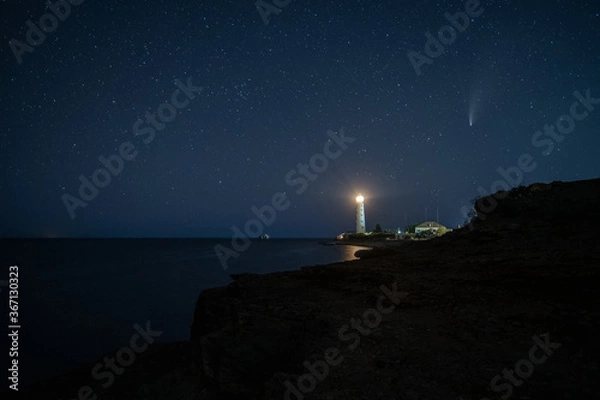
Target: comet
(473,106)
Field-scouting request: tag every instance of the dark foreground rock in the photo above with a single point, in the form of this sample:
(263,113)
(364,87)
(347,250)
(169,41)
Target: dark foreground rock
(450,318)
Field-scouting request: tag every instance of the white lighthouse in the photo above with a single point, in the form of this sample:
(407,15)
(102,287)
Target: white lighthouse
(360,214)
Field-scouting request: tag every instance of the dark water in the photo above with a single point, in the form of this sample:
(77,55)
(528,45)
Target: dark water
(79,299)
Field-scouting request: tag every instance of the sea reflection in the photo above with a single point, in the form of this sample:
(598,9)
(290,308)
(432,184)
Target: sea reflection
(347,252)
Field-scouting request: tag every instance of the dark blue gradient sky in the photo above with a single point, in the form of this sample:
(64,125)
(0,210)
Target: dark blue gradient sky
(270,93)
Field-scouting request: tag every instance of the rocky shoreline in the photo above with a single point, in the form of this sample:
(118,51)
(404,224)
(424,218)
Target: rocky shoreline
(507,308)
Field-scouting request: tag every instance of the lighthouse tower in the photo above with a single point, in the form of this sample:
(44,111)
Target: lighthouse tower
(360,214)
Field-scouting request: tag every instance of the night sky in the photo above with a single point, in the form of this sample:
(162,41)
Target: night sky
(270,93)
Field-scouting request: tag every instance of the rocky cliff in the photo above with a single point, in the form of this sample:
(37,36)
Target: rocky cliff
(475,302)
(507,306)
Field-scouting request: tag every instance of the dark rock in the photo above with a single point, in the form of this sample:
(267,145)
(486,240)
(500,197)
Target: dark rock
(477,297)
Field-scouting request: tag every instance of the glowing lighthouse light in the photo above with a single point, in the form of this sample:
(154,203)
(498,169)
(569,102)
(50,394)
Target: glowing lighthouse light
(360,214)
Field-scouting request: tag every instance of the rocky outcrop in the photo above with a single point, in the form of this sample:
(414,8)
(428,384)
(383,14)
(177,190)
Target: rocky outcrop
(438,319)
(477,298)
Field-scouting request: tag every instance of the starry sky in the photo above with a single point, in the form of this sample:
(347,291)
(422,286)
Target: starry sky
(423,144)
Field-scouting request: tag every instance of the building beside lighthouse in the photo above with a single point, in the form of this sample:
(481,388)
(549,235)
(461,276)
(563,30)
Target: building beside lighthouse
(360,214)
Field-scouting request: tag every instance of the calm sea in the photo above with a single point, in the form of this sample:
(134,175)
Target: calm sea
(79,299)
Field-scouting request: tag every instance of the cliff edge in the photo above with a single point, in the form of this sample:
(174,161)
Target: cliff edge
(506,306)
